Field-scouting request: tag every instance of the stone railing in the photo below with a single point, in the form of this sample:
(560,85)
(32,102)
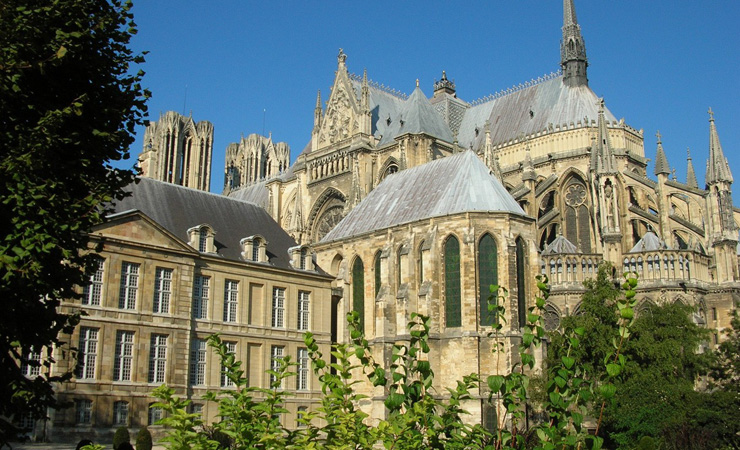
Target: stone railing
(569,268)
(668,265)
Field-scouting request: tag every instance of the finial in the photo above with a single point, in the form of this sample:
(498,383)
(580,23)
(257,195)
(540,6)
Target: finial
(444,75)
(673,171)
(602,105)
(711,114)
(688,154)
(659,136)
(417,82)
(341,57)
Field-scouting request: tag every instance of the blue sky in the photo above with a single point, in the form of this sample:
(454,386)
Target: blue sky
(254,66)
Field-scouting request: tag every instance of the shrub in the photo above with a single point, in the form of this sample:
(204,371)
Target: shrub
(120,437)
(144,439)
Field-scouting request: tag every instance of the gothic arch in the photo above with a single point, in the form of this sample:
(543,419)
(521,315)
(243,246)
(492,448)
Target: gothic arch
(575,204)
(358,290)
(551,316)
(487,256)
(452,281)
(387,169)
(326,212)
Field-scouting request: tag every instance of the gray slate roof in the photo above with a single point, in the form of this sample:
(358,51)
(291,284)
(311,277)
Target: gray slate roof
(550,101)
(648,243)
(451,185)
(178,208)
(560,245)
(417,115)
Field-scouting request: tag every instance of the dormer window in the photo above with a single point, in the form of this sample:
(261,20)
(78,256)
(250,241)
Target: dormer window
(202,238)
(254,248)
(301,257)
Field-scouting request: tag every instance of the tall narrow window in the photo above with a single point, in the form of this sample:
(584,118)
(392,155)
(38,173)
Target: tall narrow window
(399,265)
(129,285)
(420,264)
(124,356)
(487,275)
(302,375)
(453,313)
(303,256)
(155,414)
(304,304)
(231,298)
(157,358)
(198,363)
(300,416)
(358,290)
(378,278)
(225,380)
(92,293)
(521,299)
(87,353)
(162,290)
(200,297)
(120,413)
(256,249)
(278,308)
(83,411)
(277,353)
(203,240)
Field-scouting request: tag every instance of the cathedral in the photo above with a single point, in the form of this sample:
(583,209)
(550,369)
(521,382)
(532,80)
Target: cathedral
(399,204)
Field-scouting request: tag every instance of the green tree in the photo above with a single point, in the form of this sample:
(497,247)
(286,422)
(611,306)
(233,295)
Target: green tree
(144,439)
(121,436)
(69,102)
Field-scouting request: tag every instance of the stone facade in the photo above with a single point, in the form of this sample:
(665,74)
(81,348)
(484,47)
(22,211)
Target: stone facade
(161,291)
(178,150)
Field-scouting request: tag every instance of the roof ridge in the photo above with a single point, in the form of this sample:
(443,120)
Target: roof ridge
(381,87)
(517,88)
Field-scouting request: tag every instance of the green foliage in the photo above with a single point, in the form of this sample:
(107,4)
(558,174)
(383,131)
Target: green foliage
(646,443)
(120,436)
(69,103)
(417,415)
(144,439)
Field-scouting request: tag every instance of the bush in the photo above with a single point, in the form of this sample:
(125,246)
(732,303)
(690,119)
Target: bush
(120,437)
(144,439)
(646,443)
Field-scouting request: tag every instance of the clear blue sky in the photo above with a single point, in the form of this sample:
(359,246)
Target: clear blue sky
(242,64)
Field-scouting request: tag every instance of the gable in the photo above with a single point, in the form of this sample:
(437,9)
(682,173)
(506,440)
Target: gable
(136,227)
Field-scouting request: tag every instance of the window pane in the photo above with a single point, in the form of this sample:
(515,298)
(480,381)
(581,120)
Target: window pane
(162,290)
(452,283)
(358,290)
(129,285)
(487,275)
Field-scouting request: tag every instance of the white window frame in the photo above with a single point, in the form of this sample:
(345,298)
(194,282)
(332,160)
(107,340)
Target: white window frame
(304,310)
(231,300)
(201,292)
(227,382)
(129,285)
(302,375)
(278,307)
(277,353)
(87,353)
(162,290)
(31,367)
(158,358)
(120,413)
(198,362)
(124,357)
(92,294)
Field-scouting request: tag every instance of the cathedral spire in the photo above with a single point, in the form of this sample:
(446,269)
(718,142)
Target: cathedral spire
(717,167)
(573,59)
(690,173)
(661,162)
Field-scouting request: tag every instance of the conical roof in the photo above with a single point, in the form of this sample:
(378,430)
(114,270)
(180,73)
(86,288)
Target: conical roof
(648,243)
(717,167)
(455,184)
(559,246)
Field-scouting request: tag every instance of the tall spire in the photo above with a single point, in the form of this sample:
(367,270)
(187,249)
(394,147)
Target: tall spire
(717,167)
(690,173)
(661,162)
(572,48)
(602,157)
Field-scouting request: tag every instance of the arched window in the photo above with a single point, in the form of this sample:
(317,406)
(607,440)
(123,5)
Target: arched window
(577,221)
(358,290)
(487,275)
(376,266)
(453,313)
(521,299)
(420,264)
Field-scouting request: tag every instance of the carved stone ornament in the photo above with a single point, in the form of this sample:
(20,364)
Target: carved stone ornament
(338,120)
(329,220)
(575,195)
